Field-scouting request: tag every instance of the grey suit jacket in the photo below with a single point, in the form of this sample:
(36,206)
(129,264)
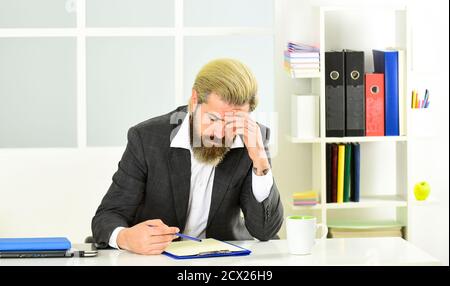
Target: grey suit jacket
(153,182)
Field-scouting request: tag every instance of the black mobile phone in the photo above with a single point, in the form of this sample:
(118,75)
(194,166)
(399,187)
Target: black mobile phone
(84,250)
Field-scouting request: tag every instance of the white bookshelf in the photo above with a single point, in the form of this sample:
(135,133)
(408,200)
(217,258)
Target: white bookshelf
(395,198)
(365,202)
(349,139)
(308,75)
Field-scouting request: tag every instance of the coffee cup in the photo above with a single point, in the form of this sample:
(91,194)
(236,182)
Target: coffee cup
(301,233)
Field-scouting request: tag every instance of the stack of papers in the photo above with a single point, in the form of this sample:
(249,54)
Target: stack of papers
(300,59)
(351,229)
(308,198)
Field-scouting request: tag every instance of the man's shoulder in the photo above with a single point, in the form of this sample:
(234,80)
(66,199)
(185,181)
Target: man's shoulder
(157,131)
(163,123)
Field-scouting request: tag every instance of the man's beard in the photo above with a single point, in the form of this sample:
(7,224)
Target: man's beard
(209,154)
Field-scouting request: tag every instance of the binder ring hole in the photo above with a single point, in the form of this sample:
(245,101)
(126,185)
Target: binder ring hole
(374,89)
(334,75)
(354,75)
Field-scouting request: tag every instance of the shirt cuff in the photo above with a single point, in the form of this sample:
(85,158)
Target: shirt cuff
(262,185)
(113,237)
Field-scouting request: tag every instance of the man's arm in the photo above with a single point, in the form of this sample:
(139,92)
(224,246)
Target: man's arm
(120,203)
(262,219)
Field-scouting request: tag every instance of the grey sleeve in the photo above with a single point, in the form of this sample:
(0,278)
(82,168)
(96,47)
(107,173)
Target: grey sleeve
(263,220)
(119,205)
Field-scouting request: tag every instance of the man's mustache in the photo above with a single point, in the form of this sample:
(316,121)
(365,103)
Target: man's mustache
(211,141)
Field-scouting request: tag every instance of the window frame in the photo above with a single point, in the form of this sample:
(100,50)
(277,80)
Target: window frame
(81,32)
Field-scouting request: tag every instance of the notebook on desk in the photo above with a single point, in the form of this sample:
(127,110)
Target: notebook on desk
(208,247)
(34,247)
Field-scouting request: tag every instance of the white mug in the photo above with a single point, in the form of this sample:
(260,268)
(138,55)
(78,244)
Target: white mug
(301,233)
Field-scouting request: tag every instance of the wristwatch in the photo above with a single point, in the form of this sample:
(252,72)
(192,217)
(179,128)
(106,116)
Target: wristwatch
(260,173)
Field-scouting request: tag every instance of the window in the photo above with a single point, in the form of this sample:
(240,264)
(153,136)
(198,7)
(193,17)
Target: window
(38,92)
(128,80)
(80,73)
(130,13)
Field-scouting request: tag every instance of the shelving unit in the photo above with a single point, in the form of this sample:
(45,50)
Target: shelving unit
(351,34)
(309,75)
(365,202)
(349,139)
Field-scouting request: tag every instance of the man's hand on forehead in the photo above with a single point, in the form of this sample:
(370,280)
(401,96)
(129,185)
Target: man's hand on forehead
(236,118)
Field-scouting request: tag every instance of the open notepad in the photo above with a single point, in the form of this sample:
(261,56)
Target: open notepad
(208,247)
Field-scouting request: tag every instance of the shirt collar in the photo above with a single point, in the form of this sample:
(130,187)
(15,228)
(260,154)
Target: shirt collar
(181,139)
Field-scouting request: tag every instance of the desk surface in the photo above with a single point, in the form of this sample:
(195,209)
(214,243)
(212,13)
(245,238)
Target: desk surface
(338,251)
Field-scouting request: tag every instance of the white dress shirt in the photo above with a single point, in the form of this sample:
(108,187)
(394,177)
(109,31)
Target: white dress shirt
(202,179)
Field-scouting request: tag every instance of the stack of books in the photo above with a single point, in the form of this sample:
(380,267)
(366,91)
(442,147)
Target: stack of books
(354,229)
(308,198)
(301,60)
(343,172)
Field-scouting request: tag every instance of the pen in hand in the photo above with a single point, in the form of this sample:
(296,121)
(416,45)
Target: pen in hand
(185,236)
(188,237)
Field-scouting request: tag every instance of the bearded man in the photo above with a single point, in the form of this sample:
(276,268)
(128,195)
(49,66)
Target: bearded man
(202,170)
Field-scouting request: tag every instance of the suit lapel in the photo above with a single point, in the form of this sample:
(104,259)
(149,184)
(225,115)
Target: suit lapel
(223,176)
(179,163)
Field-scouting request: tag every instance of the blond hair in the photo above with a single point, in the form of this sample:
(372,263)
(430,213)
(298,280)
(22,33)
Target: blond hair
(230,79)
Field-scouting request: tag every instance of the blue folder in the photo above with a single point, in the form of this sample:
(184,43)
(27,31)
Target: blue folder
(34,244)
(241,252)
(386,62)
(356,173)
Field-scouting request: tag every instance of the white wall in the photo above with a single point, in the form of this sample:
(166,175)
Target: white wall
(295,20)
(53,192)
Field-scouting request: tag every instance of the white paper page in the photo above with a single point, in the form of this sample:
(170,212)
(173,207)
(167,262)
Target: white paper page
(189,247)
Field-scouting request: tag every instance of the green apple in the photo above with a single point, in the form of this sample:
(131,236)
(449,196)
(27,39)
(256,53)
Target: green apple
(421,191)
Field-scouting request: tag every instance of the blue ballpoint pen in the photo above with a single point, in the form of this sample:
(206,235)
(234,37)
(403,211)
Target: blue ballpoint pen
(185,236)
(188,237)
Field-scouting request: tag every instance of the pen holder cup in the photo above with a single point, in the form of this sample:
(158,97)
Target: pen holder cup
(421,123)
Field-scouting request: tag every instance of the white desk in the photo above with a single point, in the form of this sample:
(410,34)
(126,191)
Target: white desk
(344,251)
